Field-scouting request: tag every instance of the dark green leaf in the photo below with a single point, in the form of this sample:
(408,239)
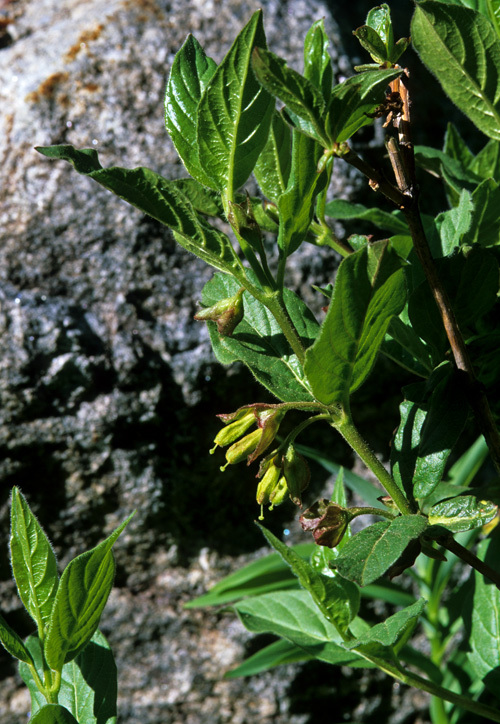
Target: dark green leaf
(404,346)
(294,616)
(276,654)
(393,632)
(369,553)
(272,169)
(296,205)
(53,714)
(456,148)
(372,42)
(262,576)
(448,166)
(484,626)
(13,643)
(487,162)
(369,290)
(461,48)
(88,682)
(191,72)
(300,95)
(234,114)
(317,62)
(82,594)
(33,561)
(337,600)
(259,342)
(393,222)
(431,422)
(464,512)
(353,99)
(160,199)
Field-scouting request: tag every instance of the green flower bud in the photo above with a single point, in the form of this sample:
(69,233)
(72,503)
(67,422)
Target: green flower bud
(268,482)
(296,472)
(242,219)
(327,521)
(233,431)
(279,493)
(226,313)
(241,449)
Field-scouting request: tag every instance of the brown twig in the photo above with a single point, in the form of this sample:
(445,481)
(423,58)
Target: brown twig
(405,196)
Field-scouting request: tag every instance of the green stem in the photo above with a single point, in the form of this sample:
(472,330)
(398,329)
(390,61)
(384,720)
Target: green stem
(351,435)
(274,302)
(418,682)
(356,512)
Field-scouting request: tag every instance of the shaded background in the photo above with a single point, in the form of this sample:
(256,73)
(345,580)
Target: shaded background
(109,389)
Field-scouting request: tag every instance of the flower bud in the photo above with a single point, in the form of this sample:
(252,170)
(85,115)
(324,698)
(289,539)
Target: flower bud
(226,313)
(279,493)
(327,521)
(268,482)
(240,449)
(234,430)
(268,420)
(296,472)
(242,219)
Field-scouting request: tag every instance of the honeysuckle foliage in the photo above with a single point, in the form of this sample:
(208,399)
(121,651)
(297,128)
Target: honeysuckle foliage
(422,290)
(67,664)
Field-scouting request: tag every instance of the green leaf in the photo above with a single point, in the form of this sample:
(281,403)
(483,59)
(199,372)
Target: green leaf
(191,72)
(234,114)
(33,561)
(160,199)
(486,215)
(317,62)
(294,616)
(337,600)
(461,48)
(296,204)
(369,290)
(259,342)
(369,553)
(379,18)
(13,643)
(299,94)
(204,200)
(431,421)
(486,163)
(278,653)
(456,148)
(493,10)
(262,576)
(372,42)
(272,169)
(465,512)
(483,625)
(393,632)
(88,682)
(82,594)
(353,99)
(404,346)
(453,224)
(389,221)
(53,714)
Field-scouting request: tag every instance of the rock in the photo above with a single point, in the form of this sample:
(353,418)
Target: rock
(108,388)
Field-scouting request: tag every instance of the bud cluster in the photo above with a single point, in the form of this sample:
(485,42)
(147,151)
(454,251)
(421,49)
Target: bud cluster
(282,473)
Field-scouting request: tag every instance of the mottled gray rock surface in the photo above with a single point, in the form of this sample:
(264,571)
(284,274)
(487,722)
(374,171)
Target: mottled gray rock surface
(108,389)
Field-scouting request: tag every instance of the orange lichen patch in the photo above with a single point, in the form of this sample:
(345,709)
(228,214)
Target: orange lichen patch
(90,87)
(149,6)
(47,88)
(86,37)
